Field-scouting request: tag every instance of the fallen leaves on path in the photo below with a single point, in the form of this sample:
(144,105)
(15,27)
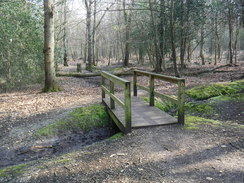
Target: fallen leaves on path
(74,92)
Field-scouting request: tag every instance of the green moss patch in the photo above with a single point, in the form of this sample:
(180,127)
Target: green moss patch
(194,122)
(117,69)
(200,108)
(61,161)
(217,89)
(12,170)
(161,104)
(55,88)
(239,97)
(84,118)
(116,136)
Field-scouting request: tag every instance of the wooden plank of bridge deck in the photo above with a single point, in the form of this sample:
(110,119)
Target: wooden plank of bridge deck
(143,115)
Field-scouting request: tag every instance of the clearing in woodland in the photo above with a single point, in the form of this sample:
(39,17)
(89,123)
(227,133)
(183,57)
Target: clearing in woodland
(44,137)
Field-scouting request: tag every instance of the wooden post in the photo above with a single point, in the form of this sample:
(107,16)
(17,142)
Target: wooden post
(112,106)
(181,102)
(151,90)
(127,97)
(78,67)
(134,83)
(103,84)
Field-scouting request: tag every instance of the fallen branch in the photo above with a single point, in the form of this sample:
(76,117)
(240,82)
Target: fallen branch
(206,71)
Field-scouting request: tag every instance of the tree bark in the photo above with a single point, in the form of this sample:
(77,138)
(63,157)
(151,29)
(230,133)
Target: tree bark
(51,84)
(158,60)
(89,35)
(64,36)
(236,40)
(94,32)
(242,14)
(217,44)
(189,51)
(162,33)
(201,45)
(182,36)
(230,33)
(172,31)
(127,18)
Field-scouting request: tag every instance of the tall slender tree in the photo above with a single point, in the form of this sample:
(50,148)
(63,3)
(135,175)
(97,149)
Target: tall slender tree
(183,21)
(230,19)
(158,60)
(88,4)
(51,84)
(64,32)
(172,33)
(162,33)
(127,18)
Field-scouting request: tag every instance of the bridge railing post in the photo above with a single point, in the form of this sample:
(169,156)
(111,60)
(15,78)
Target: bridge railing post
(103,84)
(135,83)
(124,124)
(151,90)
(112,105)
(181,102)
(127,96)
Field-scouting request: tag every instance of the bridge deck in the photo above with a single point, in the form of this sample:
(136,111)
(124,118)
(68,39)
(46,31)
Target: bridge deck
(142,114)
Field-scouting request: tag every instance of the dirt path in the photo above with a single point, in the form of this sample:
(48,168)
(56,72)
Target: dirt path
(158,154)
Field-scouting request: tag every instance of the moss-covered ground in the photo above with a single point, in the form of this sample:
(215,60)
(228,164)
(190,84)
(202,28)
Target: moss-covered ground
(116,136)
(13,170)
(195,122)
(209,104)
(162,104)
(83,118)
(212,90)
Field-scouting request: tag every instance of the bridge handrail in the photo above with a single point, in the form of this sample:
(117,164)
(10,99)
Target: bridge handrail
(126,104)
(180,101)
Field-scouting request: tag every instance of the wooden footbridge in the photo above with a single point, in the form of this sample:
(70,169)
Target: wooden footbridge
(130,111)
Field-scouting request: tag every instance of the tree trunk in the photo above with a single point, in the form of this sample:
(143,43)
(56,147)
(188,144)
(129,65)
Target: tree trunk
(94,33)
(172,31)
(201,45)
(158,61)
(141,55)
(127,18)
(216,38)
(64,36)
(81,51)
(189,51)
(51,84)
(162,33)
(85,48)
(182,36)
(242,14)
(230,34)
(127,44)
(236,40)
(109,57)
(89,35)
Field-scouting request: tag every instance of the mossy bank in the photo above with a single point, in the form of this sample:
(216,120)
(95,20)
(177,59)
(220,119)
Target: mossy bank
(81,119)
